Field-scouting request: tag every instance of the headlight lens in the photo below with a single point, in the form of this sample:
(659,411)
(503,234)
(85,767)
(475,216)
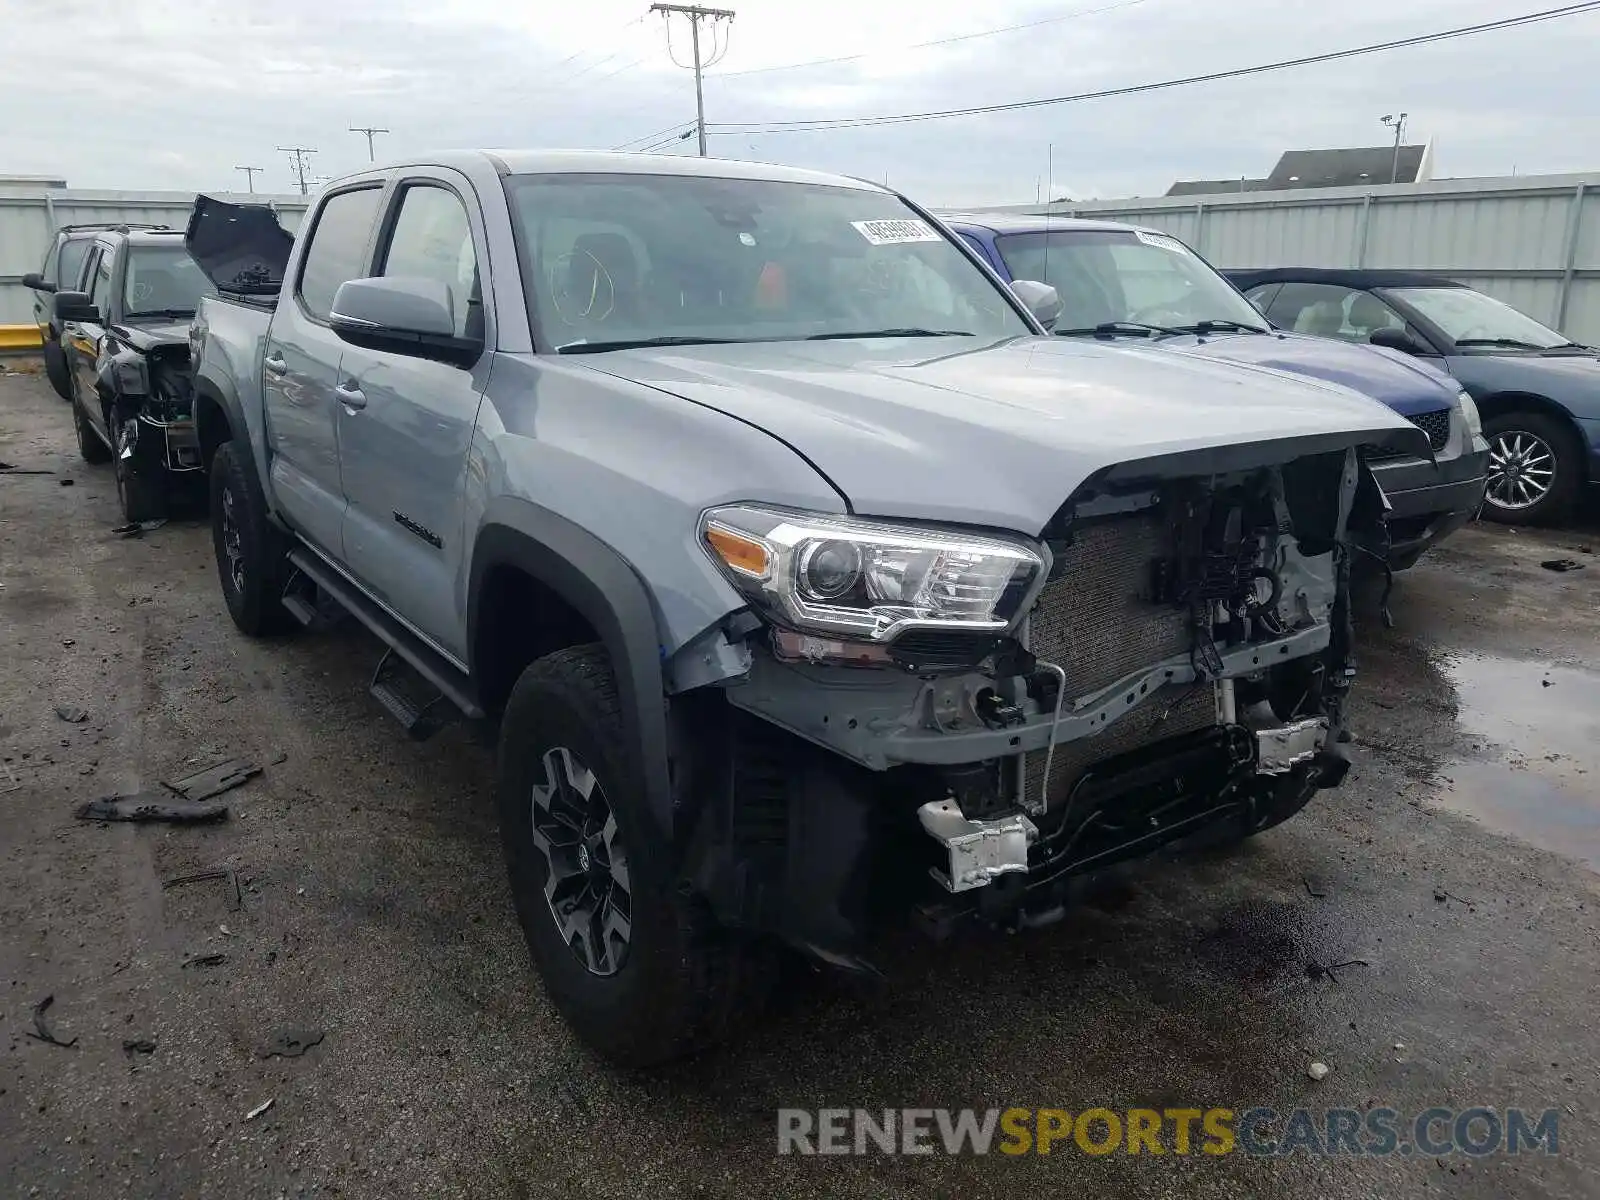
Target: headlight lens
(1469,413)
(868,579)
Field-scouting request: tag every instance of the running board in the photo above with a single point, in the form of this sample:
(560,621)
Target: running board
(444,675)
(394,687)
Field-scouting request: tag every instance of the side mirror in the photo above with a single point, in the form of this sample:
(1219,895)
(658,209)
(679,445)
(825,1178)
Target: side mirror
(37,282)
(1396,339)
(1042,300)
(75,306)
(402,315)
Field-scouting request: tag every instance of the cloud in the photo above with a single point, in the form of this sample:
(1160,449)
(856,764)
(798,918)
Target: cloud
(176,96)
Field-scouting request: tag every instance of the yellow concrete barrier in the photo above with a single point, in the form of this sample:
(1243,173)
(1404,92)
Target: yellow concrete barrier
(19,337)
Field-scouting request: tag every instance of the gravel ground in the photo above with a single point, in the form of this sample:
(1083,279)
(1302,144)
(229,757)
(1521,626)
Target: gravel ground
(1456,866)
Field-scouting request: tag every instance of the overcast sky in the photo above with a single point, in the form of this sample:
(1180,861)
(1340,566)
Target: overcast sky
(145,94)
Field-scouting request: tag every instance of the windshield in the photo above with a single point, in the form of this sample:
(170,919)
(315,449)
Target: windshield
(162,281)
(1124,275)
(615,259)
(1467,316)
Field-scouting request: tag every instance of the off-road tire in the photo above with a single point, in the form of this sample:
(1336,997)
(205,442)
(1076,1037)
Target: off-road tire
(56,370)
(683,980)
(1556,505)
(143,495)
(255,601)
(90,447)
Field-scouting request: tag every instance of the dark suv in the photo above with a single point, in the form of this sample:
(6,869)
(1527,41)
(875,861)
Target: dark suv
(125,343)
(62,270)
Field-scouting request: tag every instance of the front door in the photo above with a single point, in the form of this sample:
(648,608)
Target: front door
(300,366)
(406,424)
(82,341)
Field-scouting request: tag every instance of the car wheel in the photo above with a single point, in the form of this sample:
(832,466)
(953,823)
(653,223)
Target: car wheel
(635,966)
(143,495)
(56,370)
(249,549)
(90,447)
(1534,469)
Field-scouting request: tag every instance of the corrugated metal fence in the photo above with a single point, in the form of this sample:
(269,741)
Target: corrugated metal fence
(27,219)
(1532,241)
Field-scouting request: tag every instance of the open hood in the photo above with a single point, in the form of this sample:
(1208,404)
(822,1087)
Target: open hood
(1001,433)
(241,247)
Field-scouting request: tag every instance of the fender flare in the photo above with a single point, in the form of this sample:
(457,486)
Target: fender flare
(602,586)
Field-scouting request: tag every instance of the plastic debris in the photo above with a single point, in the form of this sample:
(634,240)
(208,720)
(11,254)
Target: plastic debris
(139,1046)
(1561,564)
(215,959)
(215,779)
(258,1110)
(147,807)
(1399,1045)
(289,1043)
(72,714)
(1318,1071)
(42,1030)
(231,891)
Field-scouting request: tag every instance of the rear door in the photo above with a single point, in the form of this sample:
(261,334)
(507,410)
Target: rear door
(300,367)
(406,424)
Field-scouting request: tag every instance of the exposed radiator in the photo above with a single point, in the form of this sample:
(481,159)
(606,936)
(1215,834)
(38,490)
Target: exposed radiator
(1095,625)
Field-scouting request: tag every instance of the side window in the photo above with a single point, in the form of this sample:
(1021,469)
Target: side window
(1319,309)
(49,268)
(432,239)
(1262,295)
(100,288)
(73,253)
(338,247)
(976,245)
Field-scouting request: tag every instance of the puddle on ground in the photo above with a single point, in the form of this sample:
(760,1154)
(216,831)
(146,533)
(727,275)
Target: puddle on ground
(1536,726)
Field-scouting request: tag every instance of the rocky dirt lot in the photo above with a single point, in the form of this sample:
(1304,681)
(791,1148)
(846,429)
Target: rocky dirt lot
(1454,875)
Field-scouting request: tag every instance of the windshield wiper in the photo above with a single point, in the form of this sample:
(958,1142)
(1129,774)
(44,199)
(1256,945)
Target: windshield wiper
(1216,326)
(640,343)
(1109,329)
(887,333)
(166,313)
(1514,343)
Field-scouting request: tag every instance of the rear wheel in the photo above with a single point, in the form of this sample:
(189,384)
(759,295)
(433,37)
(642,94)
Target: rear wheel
(250,550)
(633,964)
(1535,467)
(56,370)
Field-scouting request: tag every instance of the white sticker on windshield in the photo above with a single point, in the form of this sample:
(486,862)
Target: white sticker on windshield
(890,233)
(1161,240)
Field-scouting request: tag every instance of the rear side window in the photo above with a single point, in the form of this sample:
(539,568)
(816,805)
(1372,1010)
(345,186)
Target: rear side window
(337,252)
(70,269)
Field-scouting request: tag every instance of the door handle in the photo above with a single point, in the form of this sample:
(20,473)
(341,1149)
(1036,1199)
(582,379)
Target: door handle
(276,364)
(350,395)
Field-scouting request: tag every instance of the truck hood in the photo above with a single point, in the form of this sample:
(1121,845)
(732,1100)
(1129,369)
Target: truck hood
(241,247)
(1405,385)
(146,336)
(1001,433)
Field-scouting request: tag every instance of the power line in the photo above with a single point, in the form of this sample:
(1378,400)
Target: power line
(369,130)
(696,14)
(301,152)
(650,137)
(960,37)
(677,137)
(746,128)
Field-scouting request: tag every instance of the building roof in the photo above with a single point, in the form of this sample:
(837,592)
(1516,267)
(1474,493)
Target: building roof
(1213,187)
(1349,167)
(1350,278)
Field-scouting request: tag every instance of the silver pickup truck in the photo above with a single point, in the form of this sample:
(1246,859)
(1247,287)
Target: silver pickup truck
(810,585)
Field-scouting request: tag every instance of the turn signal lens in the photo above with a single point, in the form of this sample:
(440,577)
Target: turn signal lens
(742,553)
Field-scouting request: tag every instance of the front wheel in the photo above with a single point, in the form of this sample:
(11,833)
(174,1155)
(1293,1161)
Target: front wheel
(633,964)
(1535,467)
(249,549)
(141,488)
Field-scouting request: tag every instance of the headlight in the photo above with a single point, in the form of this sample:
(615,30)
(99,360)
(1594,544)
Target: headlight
(867,579)
(1469,414)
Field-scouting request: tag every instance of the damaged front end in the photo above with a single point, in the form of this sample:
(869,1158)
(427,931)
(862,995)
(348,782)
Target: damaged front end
(1169,658)
(150,408)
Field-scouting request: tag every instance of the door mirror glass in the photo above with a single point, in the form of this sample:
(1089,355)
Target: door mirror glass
(1042,300)
(76,306)
(37,282)
(403,315)
(1396,339)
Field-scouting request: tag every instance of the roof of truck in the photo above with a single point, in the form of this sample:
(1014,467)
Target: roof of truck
(1031,222)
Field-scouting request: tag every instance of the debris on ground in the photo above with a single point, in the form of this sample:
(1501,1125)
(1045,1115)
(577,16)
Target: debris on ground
(42,1031)
(215,959)
(1313,890)
(66,483)
(258,1110)
(1399,1045)
(215,779)
(72,714)
(130,530)
(1318,1071)
(11,469)
(147,807)
(231,892)
(139,1046)
(1561,564)
(289,1043)
(1440,895)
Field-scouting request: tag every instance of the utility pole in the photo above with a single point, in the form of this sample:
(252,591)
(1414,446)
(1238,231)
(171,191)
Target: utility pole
(369,130)
(300,153)
(696,14)
(250,176)
(1399,123)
